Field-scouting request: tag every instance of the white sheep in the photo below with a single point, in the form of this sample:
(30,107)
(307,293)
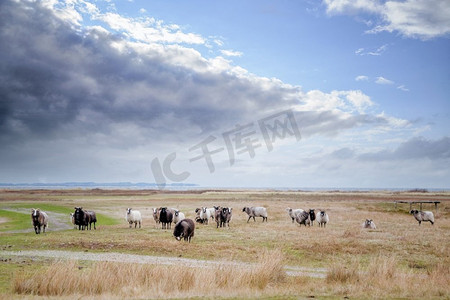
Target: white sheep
(212,211)
(294,212)
(72,220)
(322,218)
(253,212)
(178,216)
(205,214)
(133,216)
(368,223)
(423,216)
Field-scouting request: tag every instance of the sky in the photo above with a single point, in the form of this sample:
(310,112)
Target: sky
(277,94)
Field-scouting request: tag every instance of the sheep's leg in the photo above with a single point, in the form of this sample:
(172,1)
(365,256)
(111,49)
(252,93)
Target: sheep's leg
(139,224)
(249,218)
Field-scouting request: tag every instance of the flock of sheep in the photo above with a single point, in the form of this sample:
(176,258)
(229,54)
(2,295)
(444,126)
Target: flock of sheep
(184,227)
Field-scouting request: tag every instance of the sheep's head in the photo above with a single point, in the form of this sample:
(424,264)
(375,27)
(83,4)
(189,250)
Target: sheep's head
(128,211)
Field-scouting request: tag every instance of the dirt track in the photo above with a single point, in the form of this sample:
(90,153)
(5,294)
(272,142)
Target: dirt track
(147,259)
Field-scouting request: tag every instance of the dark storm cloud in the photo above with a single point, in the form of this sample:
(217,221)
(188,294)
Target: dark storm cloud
(57,81)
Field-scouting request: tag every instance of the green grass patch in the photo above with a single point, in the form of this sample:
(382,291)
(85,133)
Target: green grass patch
(14,220)
(45,207)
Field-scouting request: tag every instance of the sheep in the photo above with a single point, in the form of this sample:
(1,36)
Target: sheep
(423,216)
(39,219)
(294,212)
(133,216)
(184,229)
(217,214)
(253,212)
(322,218)
(72,220)
(303,218)
(165,217)
(312,216)
(156,213)
(212,211)
(369,223)
(84,218)
(222,217)
(197,215)
(229,216)
(205,214)
(178,216)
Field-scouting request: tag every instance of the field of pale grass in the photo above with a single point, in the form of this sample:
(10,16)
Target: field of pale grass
(400,259)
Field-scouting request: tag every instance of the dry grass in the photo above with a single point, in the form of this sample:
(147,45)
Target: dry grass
(126,280)
(383,278)
(400,259)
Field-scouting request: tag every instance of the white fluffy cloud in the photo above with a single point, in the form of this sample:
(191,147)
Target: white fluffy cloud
(412,18)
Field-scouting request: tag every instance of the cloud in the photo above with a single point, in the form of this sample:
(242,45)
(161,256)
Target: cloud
(423,19)
(89,102)
(382,80)
(403,88)
(414,149)
(231,53)
(361,78)
(377,52)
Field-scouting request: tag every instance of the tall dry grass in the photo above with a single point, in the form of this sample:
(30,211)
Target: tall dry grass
(127,280)
(383,278)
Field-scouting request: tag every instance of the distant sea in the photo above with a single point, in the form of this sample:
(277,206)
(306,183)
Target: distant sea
(192,186)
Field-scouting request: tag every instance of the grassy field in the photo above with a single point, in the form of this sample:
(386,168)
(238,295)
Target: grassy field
(400,259)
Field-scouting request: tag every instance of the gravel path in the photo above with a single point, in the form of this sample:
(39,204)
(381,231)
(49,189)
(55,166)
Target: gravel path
(147,259)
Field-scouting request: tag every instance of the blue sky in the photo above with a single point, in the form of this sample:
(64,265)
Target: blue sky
(107,90)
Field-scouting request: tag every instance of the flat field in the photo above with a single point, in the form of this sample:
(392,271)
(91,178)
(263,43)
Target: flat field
(277,259)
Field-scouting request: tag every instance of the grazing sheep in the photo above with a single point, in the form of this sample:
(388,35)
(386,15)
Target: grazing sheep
(133,216)
(312,216)
(322,218)
(39,219)
(369,224)
(205,214)
(165,217)
(156,213)
(184,229)
(303,218)
(178,216)
(253,212)
(423,216)
(294,212)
